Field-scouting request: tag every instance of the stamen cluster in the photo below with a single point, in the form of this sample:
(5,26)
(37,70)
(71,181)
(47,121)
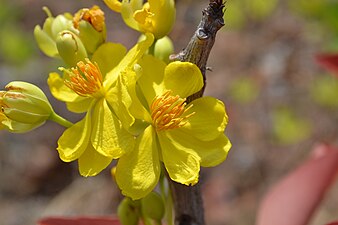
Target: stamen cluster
(94,16)
(85,79)
(167,111)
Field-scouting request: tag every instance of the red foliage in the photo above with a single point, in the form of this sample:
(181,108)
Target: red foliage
(293,199)
(79,221)
(329,62)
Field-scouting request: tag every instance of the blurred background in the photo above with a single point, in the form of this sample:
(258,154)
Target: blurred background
(280,103)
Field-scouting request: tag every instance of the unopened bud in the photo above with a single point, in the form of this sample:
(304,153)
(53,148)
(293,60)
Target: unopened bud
(26,104)
(163,49)
(70,48)
(128,212)
(152,206)
(91,26)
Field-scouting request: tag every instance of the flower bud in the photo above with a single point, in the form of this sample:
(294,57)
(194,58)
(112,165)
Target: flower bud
(163,49)
(128,212)
(91,26)
(152,206)
(45,37)
(70,48)
(24,103)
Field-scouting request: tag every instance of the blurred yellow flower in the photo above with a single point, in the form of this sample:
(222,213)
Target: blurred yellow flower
(154,16)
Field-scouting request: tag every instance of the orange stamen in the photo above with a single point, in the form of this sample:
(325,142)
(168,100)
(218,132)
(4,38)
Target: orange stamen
(86,79)
(167,111)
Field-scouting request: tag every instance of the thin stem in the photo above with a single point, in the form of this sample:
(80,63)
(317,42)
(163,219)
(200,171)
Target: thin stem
(60,120)
(167,197)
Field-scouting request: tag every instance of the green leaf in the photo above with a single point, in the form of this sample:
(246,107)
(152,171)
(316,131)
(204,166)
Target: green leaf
(244,90)
(290,128)
(324,91)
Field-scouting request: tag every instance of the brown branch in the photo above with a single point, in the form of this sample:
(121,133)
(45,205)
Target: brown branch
(188,201)
(200,45)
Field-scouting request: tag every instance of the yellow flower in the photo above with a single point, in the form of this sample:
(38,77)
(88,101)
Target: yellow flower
(154,16)
(97,89)
(182,136)
(72,37)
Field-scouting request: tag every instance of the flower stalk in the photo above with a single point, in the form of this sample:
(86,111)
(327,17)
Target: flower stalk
(60,120)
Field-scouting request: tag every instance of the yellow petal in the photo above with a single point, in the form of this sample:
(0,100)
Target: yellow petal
(74,140)
(108,136)
(127,10)
(183,78)
(209,153)
(120,100)
(108,56)
(181,162)
(91,162)
(209,120)
(164,16)
(132,56)
(137,173)
(59,90)
(114,5)
(80,104)
(151,80)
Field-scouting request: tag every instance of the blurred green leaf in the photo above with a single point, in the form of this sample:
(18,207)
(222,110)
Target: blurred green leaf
(324,12)
(16,46)
(8,13)
(234,16)
(324,91)
(244,90)
(260,9)
(290,128)
(240,11)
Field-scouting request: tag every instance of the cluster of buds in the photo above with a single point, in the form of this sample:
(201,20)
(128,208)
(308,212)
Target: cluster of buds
(72,37)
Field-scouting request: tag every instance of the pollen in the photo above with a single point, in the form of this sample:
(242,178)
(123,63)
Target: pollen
(94,16)
(85,79)
(169,112)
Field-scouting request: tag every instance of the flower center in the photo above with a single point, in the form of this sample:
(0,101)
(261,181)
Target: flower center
(94,16)
(144,17)
(85,79)
(167,111)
